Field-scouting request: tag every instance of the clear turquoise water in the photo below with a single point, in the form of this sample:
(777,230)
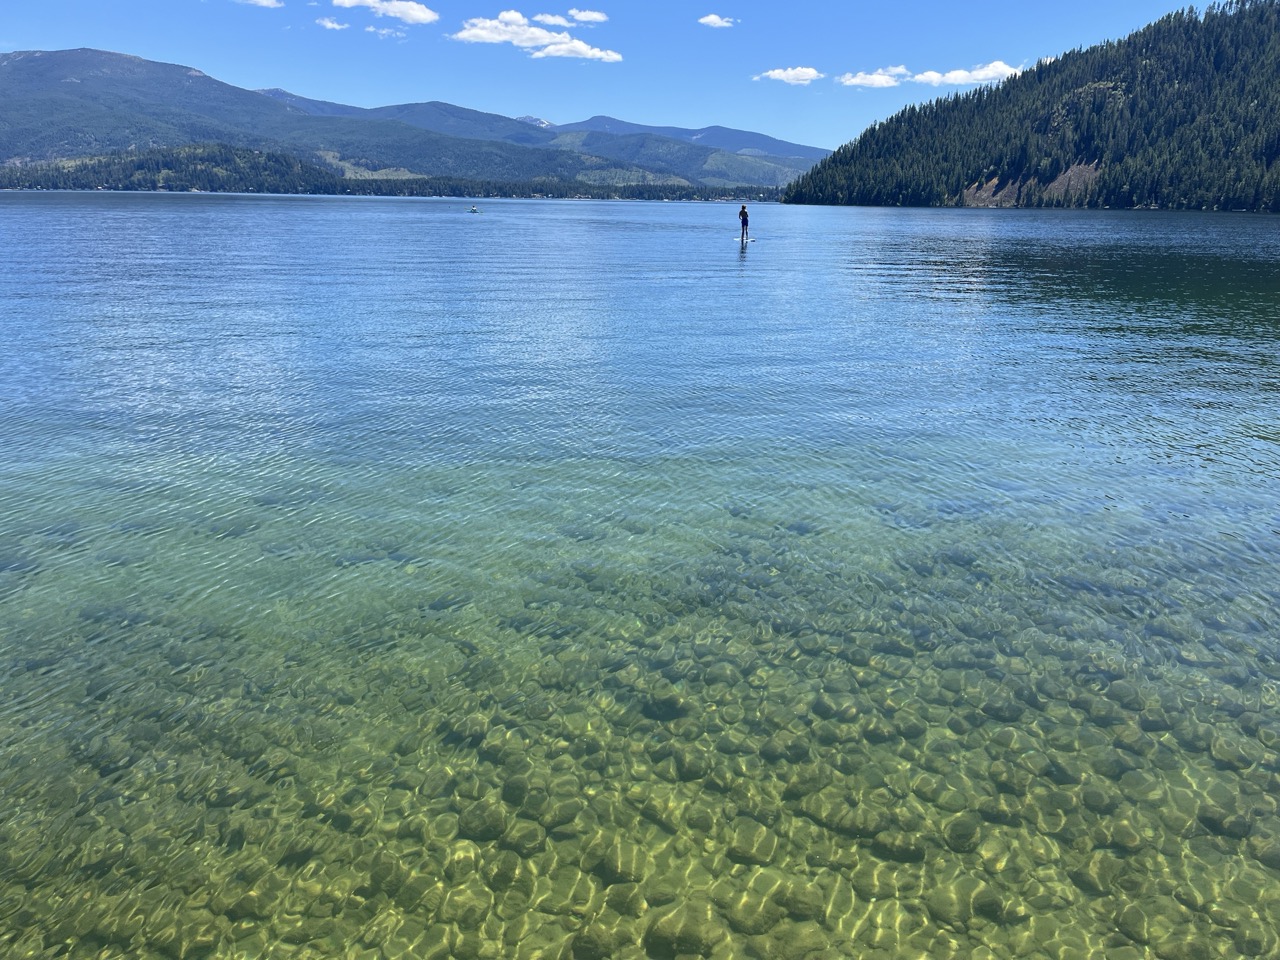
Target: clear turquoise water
(901,584)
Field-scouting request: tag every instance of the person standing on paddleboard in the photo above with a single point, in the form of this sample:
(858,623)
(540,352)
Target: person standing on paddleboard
(742,215)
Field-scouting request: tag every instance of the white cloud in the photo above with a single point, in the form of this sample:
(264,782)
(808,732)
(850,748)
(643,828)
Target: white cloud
(884,77)
(512,27)
(331,24)
(796,76)
(263,3)
(990,73)
(576,48)
(406,11)
(588,16)
(552,20)
(715,20)
(386,33)
(894,76)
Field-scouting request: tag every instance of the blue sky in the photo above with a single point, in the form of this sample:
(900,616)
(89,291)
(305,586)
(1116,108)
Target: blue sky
(812,73)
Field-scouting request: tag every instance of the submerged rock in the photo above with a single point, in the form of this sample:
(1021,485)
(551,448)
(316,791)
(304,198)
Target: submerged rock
(483,820)
(684,929)
(752,842)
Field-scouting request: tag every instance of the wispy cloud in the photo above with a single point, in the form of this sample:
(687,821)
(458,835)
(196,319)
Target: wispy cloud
(715,20)
(992,72)
(588,16)
(514,28)
(262,3)
(553,20)
(796,76)
(386,33)
(331,24)
(406,11)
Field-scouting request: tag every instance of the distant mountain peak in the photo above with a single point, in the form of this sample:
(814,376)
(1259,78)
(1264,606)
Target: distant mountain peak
(537,122)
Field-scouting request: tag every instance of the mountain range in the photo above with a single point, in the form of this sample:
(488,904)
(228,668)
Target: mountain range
(71,104)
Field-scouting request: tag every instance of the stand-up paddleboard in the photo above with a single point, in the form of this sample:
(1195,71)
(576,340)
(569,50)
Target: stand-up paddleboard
(747,239)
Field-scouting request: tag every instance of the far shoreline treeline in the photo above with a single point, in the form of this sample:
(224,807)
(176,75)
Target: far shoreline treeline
(217,168)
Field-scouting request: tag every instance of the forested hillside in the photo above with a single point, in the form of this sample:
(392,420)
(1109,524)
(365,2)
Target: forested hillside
(1183,114)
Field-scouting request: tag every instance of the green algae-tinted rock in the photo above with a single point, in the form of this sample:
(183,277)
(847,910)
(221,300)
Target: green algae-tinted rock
(878,730)
(735,743)
(1009,779)
(1135,740)
(1002,809)
(1155,720)
(796,941)
(515,790)
(1098,799)
(416,888)
(700,818)
(1118,834)
(1192,735)
(525,837)
(1235,753)
(867,821)
(254,905)
(692,762)
(954,904)
(683,929)
(464,944)
(561,814)
(1224,822)
(1098,873)
(1150,920)
(626,899)
(502,869)
(833,809)
(664,702)
(784,747)
(805,779)
(388,873)
(483,820)
(595,941)
(470,729)
(502,746)
(839,708)
(1000,706)
(963,832)
(1255,939)
(803,901)
(660,808)
(899,846)
(569,892)
(752,842)
(750,912)
(1265,848)
(623,862)
(462,860)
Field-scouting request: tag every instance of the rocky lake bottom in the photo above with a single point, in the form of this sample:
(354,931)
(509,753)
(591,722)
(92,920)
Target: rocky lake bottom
(764,754)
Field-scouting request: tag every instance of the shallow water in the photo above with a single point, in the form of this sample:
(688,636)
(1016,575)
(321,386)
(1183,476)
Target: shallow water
(569,580)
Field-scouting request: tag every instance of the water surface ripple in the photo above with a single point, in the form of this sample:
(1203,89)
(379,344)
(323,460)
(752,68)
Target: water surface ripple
(380,580)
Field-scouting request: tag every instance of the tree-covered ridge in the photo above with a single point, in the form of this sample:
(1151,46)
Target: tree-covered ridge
(217,168)
(1183,114)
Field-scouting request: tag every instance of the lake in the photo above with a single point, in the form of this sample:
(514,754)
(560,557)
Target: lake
(568,579)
